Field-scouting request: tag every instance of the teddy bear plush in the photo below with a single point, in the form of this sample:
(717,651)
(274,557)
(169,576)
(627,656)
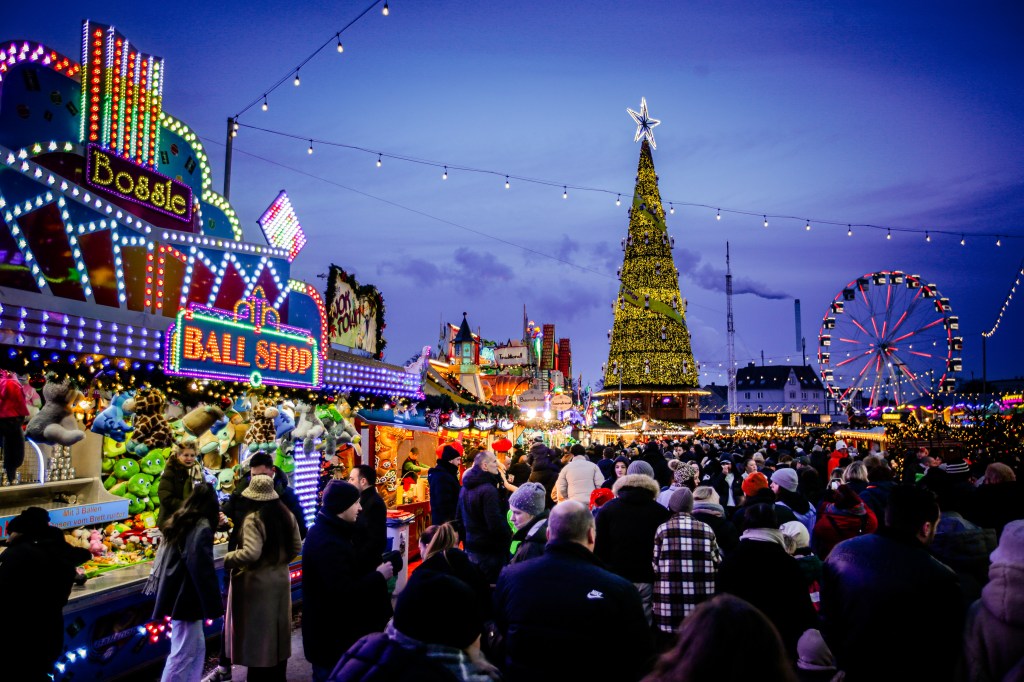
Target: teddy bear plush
(152,430)
(54,423)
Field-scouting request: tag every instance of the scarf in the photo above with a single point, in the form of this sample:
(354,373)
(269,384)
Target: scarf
(764,535)
(709,508)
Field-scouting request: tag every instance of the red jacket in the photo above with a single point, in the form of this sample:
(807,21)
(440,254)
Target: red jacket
(12,399)
(835,525)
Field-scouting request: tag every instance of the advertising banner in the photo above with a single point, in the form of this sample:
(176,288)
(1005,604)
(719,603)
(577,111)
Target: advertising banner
(511,355)
(355,314)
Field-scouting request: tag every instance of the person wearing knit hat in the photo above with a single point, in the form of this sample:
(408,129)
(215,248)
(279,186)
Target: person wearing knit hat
(443,480)
(529,516)
(599,497)
(787,479)
(754,482)
(439,609)
(332,552)
(784,483)
(684,475)
(686,558)
(815,660)
(640,467)
(798,544)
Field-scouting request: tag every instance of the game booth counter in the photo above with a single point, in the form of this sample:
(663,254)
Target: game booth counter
(133,314)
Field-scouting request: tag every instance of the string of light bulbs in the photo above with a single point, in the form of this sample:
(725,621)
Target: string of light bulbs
(446,167)
(1006,304)
(294,73)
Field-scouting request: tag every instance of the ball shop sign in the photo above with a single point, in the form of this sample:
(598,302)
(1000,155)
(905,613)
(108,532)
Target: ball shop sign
(106,171)
(215,344)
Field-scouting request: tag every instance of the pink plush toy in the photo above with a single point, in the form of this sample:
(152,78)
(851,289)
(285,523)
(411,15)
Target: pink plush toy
(96,543)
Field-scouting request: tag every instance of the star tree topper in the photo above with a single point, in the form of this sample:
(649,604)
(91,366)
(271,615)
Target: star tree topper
(644,123)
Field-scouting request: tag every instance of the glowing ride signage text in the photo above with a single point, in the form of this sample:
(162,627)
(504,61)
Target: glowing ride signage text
(109,172)
(208,343)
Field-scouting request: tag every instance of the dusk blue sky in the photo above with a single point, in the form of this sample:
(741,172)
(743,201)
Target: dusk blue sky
(903,114)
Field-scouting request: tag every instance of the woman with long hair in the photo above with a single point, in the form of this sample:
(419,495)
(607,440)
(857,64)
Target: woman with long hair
(188,591)
(181,473)
(259,617)
(706,648)
(440,553)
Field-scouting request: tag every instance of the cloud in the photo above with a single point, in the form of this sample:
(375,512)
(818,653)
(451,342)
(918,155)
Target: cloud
(466,264)
(707,276)
(564,300)
(480,266)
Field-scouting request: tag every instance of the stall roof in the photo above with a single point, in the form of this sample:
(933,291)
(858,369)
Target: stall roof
(388,418)
(876,434)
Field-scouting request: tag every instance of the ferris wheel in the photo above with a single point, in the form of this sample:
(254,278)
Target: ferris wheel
(888,338)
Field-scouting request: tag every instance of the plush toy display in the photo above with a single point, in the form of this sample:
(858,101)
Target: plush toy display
(55,424)
(152,430)
(124,469)
(154,461)
(111,421)
(262,435)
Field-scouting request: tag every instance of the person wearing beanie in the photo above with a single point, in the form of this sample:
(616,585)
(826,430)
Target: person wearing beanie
(994,635)
(443,480)
(529,516)
(37,571)
(754,482)
(435,635)
(780,590)
(259,610)
(798,544)
(684,475)
(626,528)
(707,508)
(334,617)
(638,466)
(599,498)
(785,483)
(815,662)
(686,559)
(578,478)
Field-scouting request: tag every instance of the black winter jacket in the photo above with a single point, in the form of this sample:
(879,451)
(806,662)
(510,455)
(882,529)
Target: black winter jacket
(341,601)
(531,538)
(880,587)
(188,589)
(565,601)
(481,510)
(443,479)
(626,528)
(378,658)
(455,563)
(236,507)
(652,455)
(779,589)
(373,526)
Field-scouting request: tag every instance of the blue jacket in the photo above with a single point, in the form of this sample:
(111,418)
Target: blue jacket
(565,601)
(482,514)
(342,599)
(444,492)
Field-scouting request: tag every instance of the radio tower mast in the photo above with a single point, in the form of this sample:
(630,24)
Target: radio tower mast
(730,329)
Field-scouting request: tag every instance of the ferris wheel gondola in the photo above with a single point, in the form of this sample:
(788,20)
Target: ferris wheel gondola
(887,338)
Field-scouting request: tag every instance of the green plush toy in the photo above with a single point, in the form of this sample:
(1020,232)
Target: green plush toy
(135,505)
(139,485)
(124,469)
(284,460)
(153,463)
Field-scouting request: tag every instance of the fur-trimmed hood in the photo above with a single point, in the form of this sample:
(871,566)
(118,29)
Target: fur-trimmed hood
(637,481)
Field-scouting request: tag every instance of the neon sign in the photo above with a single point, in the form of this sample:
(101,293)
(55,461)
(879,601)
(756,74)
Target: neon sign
(122,178)
(248,344)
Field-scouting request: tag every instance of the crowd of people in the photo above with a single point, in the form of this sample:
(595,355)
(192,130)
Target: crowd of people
(668,560)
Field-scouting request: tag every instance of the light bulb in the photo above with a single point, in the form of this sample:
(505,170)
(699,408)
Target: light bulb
(235,125)
(963,242)
(265,105)
(618,200)
(297,81)
(765,221)
(718,216)
(671,208)
(808,226)
(445,175)
(378,161)
(849,231)
(565,193)
(999,242)
(927,237)
(506,182)
(385,11)
(888,234)
(311,146)
(341,48)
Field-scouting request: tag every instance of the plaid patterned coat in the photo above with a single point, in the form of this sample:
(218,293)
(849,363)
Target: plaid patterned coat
(686,558)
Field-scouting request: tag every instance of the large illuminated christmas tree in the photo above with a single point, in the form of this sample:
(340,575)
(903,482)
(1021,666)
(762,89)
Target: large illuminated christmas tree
(650,356)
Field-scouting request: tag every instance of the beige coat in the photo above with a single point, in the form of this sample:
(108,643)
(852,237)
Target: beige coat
(259,613)
(577,480)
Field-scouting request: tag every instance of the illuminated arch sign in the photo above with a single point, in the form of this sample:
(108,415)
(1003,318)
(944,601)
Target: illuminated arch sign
(248,344)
